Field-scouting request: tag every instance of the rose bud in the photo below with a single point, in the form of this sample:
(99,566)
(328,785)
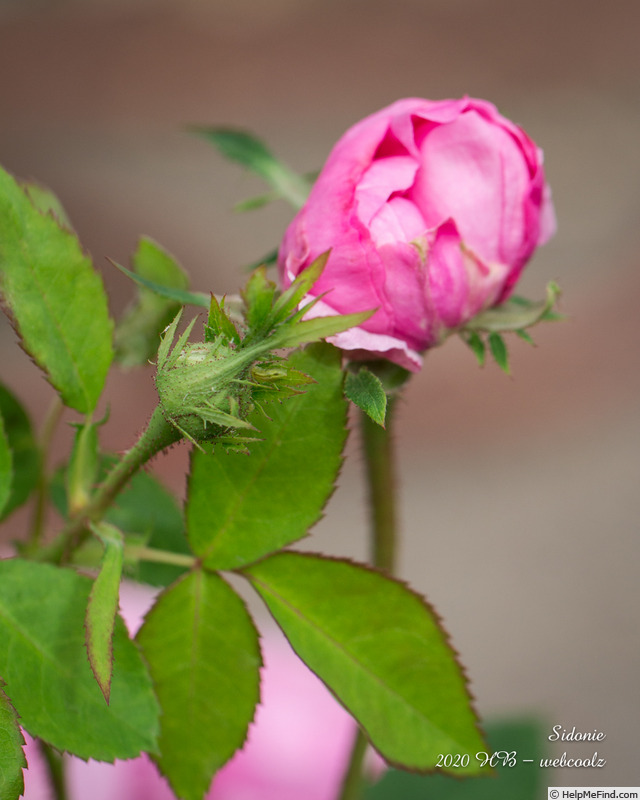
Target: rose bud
(431,210)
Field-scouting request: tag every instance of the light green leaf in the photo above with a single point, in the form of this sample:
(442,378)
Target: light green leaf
(48,678)
(380,649)
(47,203)
(521,780)
(366,390)
(240,508)
(12,760)
(103,606)
(499,351)
(24,451)
(6,468)
(203,652)
(246,149)
(55,298)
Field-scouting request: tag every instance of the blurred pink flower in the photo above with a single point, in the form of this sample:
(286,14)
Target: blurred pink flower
(431,209)
(297,747)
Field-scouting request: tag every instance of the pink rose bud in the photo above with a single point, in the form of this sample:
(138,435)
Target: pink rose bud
(431,210)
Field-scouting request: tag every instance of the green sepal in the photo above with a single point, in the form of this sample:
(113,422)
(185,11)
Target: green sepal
(288,301)
(12,760)
(525,336)
(366,391)
(477,346)
(25,456)
(250,152)
(380,649)
(499,351)
(310,330)
(219,324)
(55,298)
(103,606)
(517,313)
(204,656)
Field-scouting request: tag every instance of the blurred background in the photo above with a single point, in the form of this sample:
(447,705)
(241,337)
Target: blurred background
(520,497)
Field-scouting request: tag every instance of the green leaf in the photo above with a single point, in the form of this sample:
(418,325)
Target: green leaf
(12,760)
(6,470)
(521,781)
(56,299)
(246,149)
(180,296)
(24,451)
(291,297)
(240,508)
(203,652)
(366,390)
(103,606)
(380,649)
(138,332)
(499,351)
(48,678)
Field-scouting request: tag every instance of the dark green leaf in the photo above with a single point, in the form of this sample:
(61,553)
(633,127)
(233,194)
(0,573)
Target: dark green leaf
(12,760)
(55,298)
(521,781)
(138,332)
(246,149)
(366,390)
(6,469)
(380,649)
(241,508)
(48,678)
(204,656)
(103,606)
(24,451)
(499,351)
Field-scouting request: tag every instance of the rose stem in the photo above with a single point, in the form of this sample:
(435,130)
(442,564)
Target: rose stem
(378,452)
(55,768)
(157,436)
